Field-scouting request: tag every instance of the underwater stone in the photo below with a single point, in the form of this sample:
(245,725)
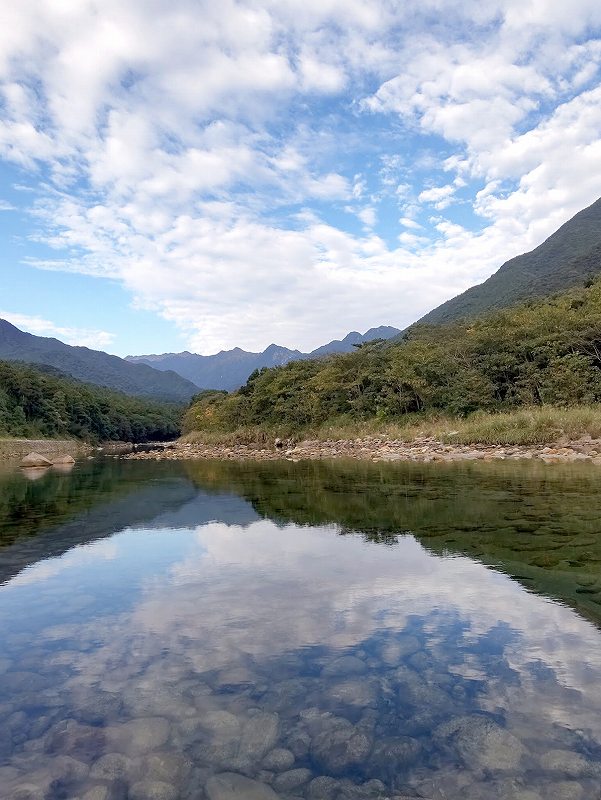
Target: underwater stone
(152,790)
(481,742)
(339,747)
(112,766)
(345,665)
(288,781)
(278,760)
(140,735)
(232,786)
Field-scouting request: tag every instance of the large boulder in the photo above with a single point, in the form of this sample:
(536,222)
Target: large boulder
(63,459)
(35,460)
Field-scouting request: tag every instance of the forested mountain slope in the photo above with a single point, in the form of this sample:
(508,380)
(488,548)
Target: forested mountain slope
(41,401)
(93,366)
(568,258)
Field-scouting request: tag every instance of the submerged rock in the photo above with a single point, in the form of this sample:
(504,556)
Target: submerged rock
(97,793)
(139,736)
(568,764)
(322,788)
(111,767)
(278,760)
(71,738)
(259,735)
(232,786)
(481,743)
(344,665)
(152,790)
(339,747)
(288,781)
(167,767)
(393,756)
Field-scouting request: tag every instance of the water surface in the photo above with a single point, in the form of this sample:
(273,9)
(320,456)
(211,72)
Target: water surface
(318,631)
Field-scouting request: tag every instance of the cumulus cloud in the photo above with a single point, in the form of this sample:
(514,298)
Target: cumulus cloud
(97,340)
(206,166)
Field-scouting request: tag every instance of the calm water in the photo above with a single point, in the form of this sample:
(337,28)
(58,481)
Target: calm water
(230,632)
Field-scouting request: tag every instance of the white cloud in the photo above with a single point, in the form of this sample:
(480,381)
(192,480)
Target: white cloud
(97,340)
(368,216)
(407,222)
(197,163)
(439,196)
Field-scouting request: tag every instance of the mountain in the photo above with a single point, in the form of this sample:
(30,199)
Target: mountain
(93,366)
(353,338)
(229,369)
(568,258)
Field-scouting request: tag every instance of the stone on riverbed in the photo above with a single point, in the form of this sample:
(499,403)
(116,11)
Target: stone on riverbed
(278,760)
(111,767)
(139,736)
(288,781)
(481,743)
(232,786)
(344,665)
(259,735)
(152,790)
(68,737)
(35,460)
(339,747)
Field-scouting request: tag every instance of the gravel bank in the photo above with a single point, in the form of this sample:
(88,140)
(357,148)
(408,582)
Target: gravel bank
(378,449)
(17,448)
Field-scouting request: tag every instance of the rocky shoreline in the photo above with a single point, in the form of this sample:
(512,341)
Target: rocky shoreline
(17,448)
(422,449)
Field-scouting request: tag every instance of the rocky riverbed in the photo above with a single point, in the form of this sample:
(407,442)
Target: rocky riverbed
(424,449)
(234,734)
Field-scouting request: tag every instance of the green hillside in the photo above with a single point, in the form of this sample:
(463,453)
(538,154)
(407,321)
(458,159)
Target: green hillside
(543,352)
(42,402)
(93,366)
(568,258)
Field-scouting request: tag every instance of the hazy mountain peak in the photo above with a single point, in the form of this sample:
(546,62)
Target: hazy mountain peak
(229,369)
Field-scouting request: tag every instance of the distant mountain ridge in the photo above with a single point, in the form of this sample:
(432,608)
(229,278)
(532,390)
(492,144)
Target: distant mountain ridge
(93,366)
(230,369)
(569,257)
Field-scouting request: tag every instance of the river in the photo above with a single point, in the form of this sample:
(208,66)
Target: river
(326,631)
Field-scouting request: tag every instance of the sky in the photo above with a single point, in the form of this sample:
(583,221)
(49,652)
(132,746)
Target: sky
(183,174)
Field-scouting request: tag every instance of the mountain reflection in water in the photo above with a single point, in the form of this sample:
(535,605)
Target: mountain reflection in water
(203,630)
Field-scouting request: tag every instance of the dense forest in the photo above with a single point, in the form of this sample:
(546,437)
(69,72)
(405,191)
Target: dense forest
(541,352)
(43,402)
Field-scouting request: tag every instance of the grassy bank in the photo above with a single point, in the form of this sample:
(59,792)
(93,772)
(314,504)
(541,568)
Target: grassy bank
(523,426)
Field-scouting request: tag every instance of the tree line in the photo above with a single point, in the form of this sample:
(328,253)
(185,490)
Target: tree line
(43,402)
(540,352)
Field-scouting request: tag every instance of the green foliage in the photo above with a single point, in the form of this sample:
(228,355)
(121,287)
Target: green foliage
(545,352)
(43,402)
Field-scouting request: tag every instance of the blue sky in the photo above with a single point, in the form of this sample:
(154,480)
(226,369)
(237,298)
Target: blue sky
(190,175)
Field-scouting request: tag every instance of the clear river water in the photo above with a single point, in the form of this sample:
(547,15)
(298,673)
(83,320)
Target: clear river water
(325,631)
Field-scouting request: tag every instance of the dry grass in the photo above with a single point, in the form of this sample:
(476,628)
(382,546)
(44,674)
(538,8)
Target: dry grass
(525,426)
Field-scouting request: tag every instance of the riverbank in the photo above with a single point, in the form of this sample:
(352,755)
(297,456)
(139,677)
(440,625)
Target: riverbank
(17,448)
(423,449)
